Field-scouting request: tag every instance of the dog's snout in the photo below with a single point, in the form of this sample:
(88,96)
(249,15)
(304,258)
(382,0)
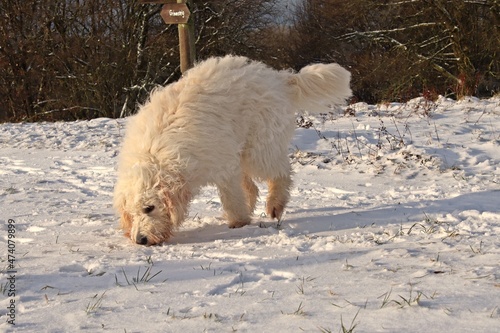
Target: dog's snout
(142,240)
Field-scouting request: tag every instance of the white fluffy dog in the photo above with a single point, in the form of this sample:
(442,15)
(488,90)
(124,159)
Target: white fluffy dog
(227,122)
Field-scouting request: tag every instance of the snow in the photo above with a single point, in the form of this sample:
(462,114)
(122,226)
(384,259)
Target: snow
(393,226)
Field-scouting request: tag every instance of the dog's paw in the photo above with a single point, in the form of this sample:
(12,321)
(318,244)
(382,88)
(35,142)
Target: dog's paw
(275,212)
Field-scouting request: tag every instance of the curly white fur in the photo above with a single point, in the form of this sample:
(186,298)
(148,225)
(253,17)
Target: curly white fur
(227,122)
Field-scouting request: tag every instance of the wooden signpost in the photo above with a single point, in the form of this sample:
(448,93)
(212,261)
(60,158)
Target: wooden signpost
(177,12)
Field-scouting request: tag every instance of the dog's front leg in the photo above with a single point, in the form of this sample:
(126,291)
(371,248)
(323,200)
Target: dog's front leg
(234,202)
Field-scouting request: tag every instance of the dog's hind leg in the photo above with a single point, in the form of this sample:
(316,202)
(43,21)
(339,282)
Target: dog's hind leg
(279,193)
(234,202)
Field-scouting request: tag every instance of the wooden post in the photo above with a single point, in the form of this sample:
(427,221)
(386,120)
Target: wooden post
(177,12)
(187,48)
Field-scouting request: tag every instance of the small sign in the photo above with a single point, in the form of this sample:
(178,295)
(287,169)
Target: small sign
(175,13)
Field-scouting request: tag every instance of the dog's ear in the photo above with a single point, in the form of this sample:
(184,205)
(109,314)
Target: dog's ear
(125,217)
(125,223)
(177,201)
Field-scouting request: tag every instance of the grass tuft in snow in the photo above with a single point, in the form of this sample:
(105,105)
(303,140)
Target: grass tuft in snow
(213,316)
(4,288)
(300,286)
(343,327)
(352,326)
(146,277)
(94,304)
(402,301)
(11,190)
(298,312)
(477,250)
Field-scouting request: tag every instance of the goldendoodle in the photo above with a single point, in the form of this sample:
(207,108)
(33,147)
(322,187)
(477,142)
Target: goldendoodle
(228,121)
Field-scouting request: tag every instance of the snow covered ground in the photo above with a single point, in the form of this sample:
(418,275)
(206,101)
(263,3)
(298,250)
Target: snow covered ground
(393,226)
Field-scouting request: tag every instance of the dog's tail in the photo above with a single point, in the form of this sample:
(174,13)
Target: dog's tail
(316,87)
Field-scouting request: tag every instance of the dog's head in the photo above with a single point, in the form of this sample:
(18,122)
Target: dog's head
(150,208)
